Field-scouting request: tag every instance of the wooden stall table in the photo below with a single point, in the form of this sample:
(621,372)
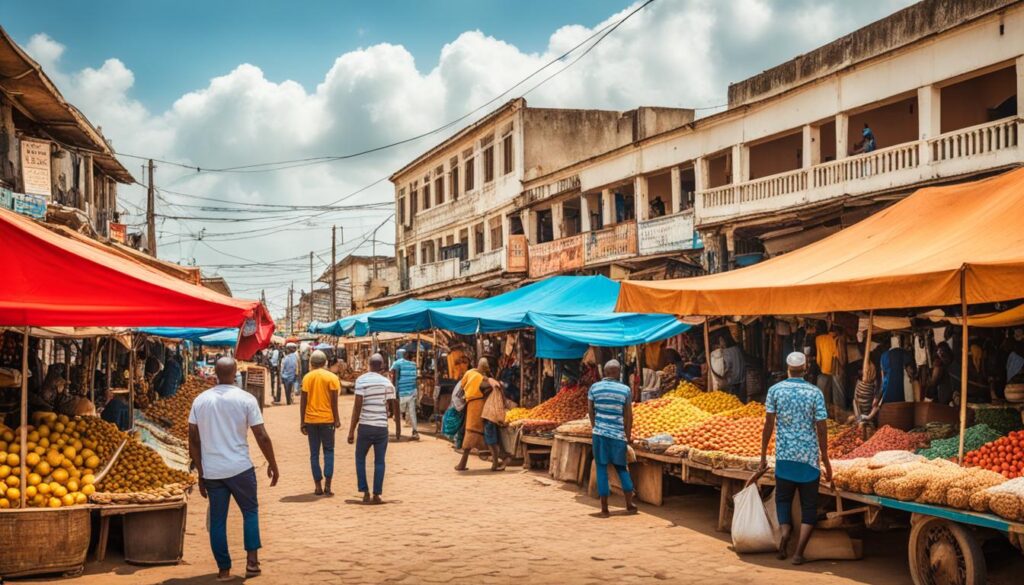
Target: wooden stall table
(153,533)
(535,446)
(570,455)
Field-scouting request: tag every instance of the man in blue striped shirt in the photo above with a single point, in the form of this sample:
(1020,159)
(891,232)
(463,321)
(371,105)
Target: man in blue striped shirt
(403,375)
(611,416)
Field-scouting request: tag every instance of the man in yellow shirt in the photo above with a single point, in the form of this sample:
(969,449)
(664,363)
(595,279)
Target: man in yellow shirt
(320,418)
(458,363)
(830,352)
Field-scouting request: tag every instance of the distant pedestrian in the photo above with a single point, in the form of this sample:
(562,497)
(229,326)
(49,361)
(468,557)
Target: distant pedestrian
(403,375)
(610,405)
(796,413)
(289,374)
(274,362)
(217,426)
(375,397)
(319,414)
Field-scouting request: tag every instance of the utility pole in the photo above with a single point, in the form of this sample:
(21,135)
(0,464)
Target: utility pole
(311,299)
(334,272)
(291,322)
(263,297)
(150,215)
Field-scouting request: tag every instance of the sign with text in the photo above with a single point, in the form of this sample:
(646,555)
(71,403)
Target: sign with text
(667,234)
(556,256)
(613,243)
(518,260)
(118,232)
(33,206)
(35,167)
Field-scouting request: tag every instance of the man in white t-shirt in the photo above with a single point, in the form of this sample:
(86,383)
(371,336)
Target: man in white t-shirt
(375,398)
(217,429)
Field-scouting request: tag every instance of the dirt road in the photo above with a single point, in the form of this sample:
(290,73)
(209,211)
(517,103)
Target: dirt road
(476,527)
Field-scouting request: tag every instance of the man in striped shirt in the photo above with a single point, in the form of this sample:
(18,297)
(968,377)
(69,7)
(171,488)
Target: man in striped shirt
(375,397)
(611,416)
(403,374)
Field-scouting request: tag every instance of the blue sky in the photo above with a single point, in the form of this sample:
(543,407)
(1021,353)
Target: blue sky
(173,47)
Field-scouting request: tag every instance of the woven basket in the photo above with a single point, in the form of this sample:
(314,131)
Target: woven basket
(37,542)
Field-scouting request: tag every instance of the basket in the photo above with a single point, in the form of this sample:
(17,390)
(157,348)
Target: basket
(1014,393)
(58,544)
(899,415)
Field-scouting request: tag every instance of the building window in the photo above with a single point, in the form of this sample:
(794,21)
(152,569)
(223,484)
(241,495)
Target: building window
(497,239)
(488,160)
(507,156)
(401,210)
(426,193)
(470,171)
(453,180)
(414,200)
(439,185)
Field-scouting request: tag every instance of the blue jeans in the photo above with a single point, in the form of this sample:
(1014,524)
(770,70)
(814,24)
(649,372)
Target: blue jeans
(321,434)
(611,452)
(604,489)
(376,437)
(220,492)
(288,385)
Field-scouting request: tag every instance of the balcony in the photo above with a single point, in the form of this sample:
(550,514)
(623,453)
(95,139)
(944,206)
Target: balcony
(443,215)
(611,243)
(556,256)
(968,150)
(434,273)
(666,234)
(486,262)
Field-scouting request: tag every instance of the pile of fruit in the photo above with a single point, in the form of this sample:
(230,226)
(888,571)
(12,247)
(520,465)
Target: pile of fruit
(173,412)
(665,415)
(514,414)
(748,410)
(683,390)
(974,438)
(715,402)
(887,439)
(1004,456)
(61,463)
(739,436)
(140,468)
(844,442)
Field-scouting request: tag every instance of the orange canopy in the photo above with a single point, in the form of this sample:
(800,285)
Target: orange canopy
(908,255)
(54,280)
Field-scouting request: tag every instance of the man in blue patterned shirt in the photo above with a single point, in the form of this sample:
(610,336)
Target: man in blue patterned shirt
(611,416)
(796,414)
(403,376)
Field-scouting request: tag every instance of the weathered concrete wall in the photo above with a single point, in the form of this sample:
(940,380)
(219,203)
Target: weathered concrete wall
(897,30)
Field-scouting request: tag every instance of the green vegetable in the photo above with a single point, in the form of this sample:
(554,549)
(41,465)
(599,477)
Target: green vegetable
(974,438)
(1002,420)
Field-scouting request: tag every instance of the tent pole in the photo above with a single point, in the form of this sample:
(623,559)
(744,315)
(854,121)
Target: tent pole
(435,390)
(23,431)
(707,353)
(131,379)
(963,361)
(110,362)
(867,344)
(519,360)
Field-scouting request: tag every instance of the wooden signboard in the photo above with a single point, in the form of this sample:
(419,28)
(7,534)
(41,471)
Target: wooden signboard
(256,382)
(556,256)
(517,256)
(35,167)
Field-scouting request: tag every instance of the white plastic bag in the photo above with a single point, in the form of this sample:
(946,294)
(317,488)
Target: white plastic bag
(751,530)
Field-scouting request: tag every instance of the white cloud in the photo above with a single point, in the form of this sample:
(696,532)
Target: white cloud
(681,53)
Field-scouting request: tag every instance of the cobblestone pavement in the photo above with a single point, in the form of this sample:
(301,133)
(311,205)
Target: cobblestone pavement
(480,527)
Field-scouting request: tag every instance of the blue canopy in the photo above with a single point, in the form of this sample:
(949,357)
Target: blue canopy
(405,317)
(219,337)
(568,312)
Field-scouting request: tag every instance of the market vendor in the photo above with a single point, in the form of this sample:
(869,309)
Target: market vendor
(116,409)
(796,414)
(167,381)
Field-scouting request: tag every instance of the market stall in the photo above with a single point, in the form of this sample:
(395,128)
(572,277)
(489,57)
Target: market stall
(60,281)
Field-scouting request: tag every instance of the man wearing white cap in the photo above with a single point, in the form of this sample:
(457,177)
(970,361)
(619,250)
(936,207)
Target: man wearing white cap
(796,414)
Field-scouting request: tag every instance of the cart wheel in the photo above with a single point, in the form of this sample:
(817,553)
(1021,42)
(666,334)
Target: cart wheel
(945,553)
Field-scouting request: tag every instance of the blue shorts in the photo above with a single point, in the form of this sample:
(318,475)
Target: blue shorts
(490,433)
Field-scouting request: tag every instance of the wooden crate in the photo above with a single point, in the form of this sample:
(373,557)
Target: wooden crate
(43,541)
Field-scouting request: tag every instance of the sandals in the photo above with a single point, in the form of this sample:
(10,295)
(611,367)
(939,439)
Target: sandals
(252,571)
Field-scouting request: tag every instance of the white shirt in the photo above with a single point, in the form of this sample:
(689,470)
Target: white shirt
(376,390)
(224,414)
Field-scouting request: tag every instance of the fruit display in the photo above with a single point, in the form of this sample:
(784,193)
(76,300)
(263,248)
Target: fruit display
(887,439)
(62,460)
(748,410)
(515,414)
(1002,420)
(168,493)
(1004,456)
(569,404)
(715,402)
(844,442)
(734,436)
(665,415)
(140,468)
(974,438)
(173,412)
(683,390)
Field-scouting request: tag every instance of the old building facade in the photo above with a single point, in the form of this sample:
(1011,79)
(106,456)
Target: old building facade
(54,164)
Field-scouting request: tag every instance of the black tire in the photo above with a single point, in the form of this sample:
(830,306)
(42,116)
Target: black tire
(941,552)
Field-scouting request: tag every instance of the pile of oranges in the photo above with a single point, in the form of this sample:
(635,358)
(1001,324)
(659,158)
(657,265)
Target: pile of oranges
(1004,456)
(739,436)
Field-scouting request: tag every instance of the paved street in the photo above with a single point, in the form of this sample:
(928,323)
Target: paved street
(477,527)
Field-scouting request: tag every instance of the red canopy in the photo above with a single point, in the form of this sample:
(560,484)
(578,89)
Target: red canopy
(50,280)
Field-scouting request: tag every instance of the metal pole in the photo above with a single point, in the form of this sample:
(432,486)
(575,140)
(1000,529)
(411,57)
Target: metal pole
(24,416)
(519,359)
(311,298)
(334,273)
(151,213)
(963,361)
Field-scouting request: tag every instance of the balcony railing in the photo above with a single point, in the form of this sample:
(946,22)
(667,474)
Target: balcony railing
(423,275)
(977,148)
(666,234)
(611,243)
(556,256)
(486,262)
